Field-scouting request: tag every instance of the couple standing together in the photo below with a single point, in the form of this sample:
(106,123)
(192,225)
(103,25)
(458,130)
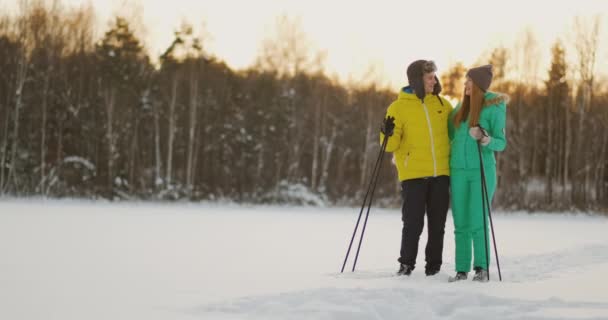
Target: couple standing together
(435,149)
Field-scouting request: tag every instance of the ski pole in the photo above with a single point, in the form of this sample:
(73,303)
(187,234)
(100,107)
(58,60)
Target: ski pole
(486,204)
(485,186)
(375,172)
(371,197)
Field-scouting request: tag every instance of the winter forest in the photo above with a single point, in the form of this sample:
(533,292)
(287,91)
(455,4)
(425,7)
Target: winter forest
(92,115)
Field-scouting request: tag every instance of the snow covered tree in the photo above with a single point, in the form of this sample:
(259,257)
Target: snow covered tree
(123,67)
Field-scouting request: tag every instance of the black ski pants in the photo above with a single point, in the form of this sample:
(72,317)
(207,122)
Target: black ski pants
(430,196)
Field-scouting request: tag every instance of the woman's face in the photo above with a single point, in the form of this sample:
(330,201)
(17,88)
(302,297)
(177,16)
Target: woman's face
(468,86)
(429,82)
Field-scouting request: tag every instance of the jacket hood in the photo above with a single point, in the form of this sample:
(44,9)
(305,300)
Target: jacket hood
(495,98)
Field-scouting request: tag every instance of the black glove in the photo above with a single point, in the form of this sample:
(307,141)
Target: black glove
(388,126)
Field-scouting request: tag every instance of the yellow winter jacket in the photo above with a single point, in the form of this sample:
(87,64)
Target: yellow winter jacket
(420,143)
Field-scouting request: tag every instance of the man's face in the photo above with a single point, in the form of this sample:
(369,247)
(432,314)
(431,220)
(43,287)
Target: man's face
(429,82)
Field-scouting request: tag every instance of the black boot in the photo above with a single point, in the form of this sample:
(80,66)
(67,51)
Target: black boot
(405,270)
(431,272)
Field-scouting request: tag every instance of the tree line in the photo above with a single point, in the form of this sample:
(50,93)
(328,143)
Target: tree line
(98,118)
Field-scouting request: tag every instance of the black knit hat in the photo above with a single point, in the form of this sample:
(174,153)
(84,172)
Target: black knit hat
(415,71)
(481,76)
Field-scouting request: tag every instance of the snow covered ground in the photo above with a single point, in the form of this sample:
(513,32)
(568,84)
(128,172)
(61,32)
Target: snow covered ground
(82,260)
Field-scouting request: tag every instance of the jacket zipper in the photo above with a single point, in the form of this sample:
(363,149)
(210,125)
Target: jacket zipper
(466,142)
(428,120)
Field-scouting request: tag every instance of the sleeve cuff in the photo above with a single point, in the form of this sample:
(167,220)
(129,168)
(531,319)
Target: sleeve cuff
(487,142)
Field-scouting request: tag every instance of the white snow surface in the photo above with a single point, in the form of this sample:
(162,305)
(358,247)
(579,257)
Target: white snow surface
(96,260)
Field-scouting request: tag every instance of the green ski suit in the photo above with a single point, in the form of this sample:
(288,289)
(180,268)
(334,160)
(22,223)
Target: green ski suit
(465,179)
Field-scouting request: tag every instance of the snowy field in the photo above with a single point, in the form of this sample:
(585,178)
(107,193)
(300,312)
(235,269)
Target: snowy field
(81,260)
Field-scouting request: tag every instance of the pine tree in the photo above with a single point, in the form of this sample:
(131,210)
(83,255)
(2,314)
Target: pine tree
(123,68)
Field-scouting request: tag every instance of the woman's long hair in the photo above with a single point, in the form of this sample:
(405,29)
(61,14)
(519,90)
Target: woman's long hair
(470,108)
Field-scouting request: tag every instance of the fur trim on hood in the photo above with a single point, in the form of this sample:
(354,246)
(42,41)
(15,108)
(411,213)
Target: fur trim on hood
(497,99)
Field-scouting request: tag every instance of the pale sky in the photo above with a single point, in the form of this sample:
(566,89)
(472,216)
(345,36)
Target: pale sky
(358,34)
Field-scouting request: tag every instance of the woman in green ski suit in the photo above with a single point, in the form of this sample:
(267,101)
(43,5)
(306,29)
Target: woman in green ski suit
(479,107)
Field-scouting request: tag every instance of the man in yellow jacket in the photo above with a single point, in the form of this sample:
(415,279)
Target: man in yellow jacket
(418,138)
